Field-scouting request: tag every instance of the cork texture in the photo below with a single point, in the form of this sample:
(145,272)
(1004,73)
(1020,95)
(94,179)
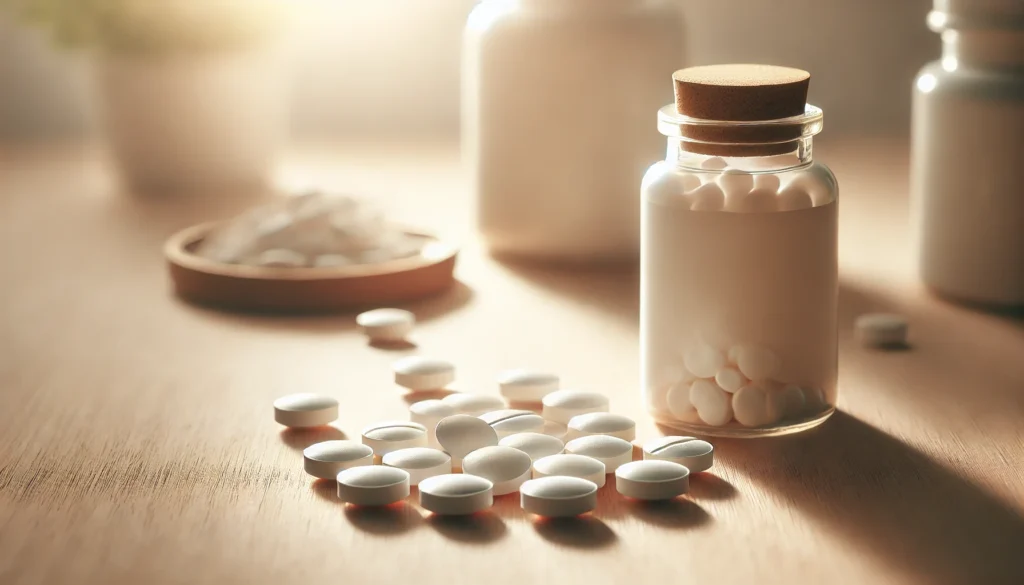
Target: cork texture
(741,92)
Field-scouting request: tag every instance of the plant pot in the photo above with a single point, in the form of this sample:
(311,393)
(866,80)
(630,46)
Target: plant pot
(193,122)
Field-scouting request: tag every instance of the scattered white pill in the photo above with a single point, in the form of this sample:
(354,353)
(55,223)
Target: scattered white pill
(505,467)
(419,462)
(462,434)
(281,258)
(756,363)
(793,198)
(305,410)
(562,405)
(882,330)
(428,413)
(388,436)
(713,404)
(536,445)
(692,453)
(387,325)
(714,163)
(421,373)
(602,423)
(612,451)
(526,385)
(556,430)
(707,197)
(473,404)
(735,182)
(372,485)
(730,379)
(758,201)
(769,181)
(558,496)
(509,422)
(678,399)
(571,465)
(750,405)
(652,480)
(325,460)
(456,494)
(702,360)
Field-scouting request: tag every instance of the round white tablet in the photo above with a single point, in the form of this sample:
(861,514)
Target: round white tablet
(325,460)
(562,405)
(556,430)
(652,480)
(714,405)
(473,404)
(509,422)
(305,410)
(702,360)
(526,385)
(387,325)
(558,496)
(385,437)
(456,494)
(602,423)
(505,467)
(536,445)
(730,379)
(422,373)
(420,462)
(882,330)
(462,434)
(612,451)
(571,465)
(769,181)
(428,413)
(756,363)
(372,485)
(694,454)
(707,197)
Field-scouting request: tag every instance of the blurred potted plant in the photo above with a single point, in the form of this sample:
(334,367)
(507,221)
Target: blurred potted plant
(191,94)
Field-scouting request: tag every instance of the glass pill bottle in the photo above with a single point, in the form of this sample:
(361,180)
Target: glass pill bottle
(739,269)
(967,154)
(555,154)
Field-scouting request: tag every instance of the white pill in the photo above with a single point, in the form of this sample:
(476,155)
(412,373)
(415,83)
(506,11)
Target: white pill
(714,163)
(775,404)
(612,451)
(325,460)
(372,485)
(386,324)
(690,182)
(692,453)
(473,404)
(536,445)
(526,385)
(428,413)
(793,198)
(305,410)
(882,330)
(420,462)
(602,423)
(509,422)
(750,405)
(652,480)
(735,182)
(505,467)
(556,430)
(730,379)
(331,261)
(281,258)
(767,181)
(678,399)
(733,354)
(422,373)
(713,404)
(462,434)
(758,201)
(814,186)
(756,363)
(385,437)
(456,494)
(702,360)
(558,496)
(571,465)
(562,405)
(708,197)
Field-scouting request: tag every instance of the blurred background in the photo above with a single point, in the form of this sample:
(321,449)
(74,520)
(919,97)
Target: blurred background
(387,67)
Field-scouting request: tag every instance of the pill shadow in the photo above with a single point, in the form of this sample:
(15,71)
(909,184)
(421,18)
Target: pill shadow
(404,345)
(326,490)
(677,513)
(582,532)
(707,486)
(300,438)
(480,528)
(397,518)
(889,499)
(421,395)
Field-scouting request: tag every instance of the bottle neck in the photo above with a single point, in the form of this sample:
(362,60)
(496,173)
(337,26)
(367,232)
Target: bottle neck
(983,48)
(801,154)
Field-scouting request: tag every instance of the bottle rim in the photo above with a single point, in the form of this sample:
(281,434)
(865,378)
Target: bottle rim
(755,132)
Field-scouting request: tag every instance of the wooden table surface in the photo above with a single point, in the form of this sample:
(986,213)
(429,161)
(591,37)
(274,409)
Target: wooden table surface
(137,443)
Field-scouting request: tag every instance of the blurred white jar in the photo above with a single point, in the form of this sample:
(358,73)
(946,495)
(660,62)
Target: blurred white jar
(967,171)
(193,121)
(556,115)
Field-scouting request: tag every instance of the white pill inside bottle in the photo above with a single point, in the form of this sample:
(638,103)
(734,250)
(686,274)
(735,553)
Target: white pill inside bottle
(756,363)
(714,405)
(558,496)
(750,405)
(702,360)
(690,452)
(730,379)
(473,404)
(305,410)
(580,466)
(536,445)
(372,485)
(386,325)
(328,458)
(456,494)
(562,405)
(523,385)
(652,480)
(612,451)
(419,373)
(419,462)
(602,423)
(385,437)
(509,422)
(505,467)
(708,197)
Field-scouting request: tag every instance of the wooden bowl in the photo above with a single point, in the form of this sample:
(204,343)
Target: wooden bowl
(320,289)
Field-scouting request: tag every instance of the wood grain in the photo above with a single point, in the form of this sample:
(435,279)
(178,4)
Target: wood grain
(137,443)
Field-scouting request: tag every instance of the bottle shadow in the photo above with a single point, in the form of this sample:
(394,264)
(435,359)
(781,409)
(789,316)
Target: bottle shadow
(888,499)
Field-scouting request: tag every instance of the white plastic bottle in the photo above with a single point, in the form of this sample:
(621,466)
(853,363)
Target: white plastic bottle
(556,112)
(967,171)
